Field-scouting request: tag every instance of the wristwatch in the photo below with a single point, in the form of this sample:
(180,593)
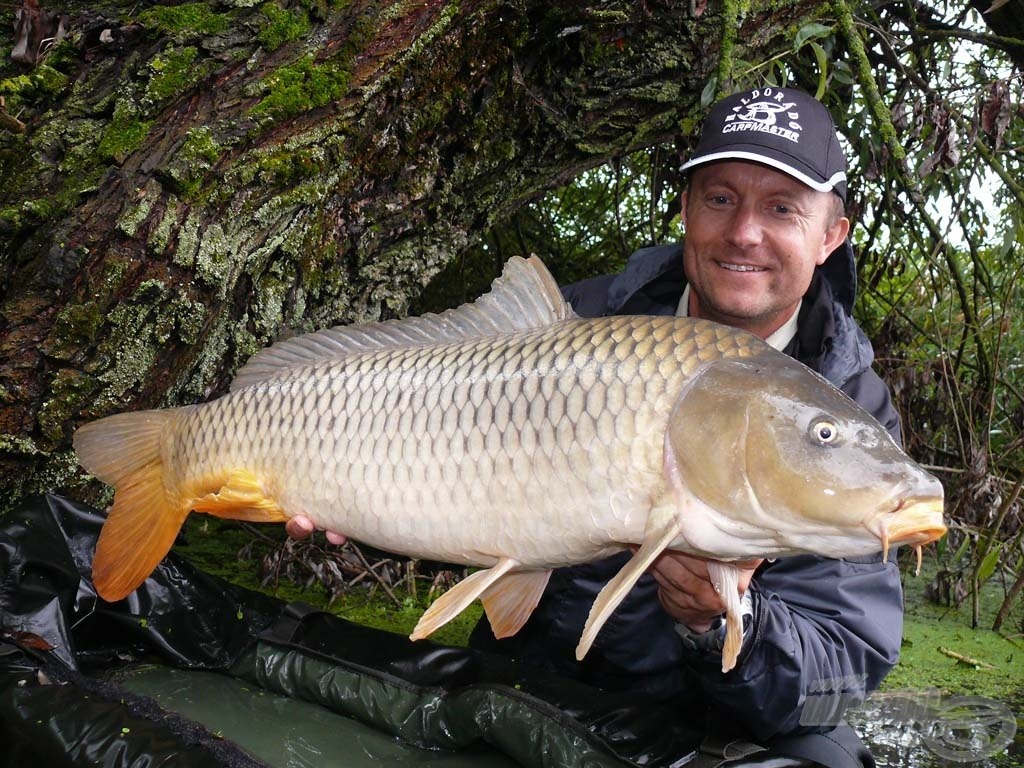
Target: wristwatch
(712,640)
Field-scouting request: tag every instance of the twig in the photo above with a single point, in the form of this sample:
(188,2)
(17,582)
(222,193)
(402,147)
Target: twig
(9,121)
(373,572)
(965,659)
(1015,589)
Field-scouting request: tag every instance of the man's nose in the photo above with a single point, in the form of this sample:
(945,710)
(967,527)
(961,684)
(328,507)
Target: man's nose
(745,228)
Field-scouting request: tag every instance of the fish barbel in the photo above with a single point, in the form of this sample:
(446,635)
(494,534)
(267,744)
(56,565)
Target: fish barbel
(512,435)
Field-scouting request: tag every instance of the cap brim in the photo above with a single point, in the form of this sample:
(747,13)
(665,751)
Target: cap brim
(765,156)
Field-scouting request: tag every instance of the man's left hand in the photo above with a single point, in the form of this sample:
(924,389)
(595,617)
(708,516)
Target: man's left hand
(301,527)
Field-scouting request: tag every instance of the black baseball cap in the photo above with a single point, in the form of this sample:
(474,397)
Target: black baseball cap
(784,128)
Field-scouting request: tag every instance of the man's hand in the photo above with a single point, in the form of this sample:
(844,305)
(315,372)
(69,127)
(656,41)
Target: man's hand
(300,526)
(686,592)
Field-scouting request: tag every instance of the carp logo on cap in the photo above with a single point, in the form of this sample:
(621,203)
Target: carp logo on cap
(765,111)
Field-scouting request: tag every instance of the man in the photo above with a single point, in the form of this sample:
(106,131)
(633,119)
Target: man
(765,250)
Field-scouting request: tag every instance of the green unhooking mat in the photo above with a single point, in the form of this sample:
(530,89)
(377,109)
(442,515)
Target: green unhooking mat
(192,671)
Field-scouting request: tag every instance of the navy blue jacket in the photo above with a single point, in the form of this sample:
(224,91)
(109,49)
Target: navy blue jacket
(815,620)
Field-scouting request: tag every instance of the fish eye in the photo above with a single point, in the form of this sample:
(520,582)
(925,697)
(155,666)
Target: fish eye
(825,431)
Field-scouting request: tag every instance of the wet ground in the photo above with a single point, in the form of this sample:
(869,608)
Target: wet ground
(925,729)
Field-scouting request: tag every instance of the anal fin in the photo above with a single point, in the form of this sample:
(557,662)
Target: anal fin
(662,529)
(510,600)
(726,579)
(457,599)
(241,497)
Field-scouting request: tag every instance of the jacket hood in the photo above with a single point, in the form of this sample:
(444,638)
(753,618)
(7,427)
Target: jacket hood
(840,270)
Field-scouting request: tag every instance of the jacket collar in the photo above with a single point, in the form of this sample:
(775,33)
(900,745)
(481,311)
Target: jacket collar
(651,283)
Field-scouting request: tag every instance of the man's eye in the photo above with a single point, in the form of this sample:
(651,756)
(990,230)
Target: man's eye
(782,209)
(718,200)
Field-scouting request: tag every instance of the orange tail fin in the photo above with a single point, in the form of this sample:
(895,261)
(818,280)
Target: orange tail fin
(124,451)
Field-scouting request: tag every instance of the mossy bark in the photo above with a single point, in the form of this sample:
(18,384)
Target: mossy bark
(197,178)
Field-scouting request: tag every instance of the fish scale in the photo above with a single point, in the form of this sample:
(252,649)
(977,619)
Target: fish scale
(512,435)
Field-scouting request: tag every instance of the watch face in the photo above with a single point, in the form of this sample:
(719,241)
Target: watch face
(710,641)
(713,639)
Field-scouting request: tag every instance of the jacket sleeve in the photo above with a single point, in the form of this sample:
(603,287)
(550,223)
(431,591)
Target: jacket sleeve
(589,298)
(820,627)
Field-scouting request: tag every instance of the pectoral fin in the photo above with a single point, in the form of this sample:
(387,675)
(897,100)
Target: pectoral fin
(510,600)
(662,529)
(457,599)
(726,579)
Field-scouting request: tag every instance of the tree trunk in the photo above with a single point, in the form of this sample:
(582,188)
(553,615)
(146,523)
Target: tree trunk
(189,183)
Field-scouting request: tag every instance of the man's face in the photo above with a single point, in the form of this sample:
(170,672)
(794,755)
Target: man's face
(753,238)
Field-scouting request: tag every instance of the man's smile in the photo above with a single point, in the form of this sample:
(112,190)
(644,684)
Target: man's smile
(740,267)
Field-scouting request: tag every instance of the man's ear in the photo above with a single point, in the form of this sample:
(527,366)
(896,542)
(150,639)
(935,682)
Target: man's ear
(834,236)
(684,199)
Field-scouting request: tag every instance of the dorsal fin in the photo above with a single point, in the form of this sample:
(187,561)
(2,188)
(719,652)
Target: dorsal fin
(525,297)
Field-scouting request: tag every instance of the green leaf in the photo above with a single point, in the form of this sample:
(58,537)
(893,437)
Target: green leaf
(707,96)
(812,31)
(961,550)
(819,54)
(842,74)
(988,565)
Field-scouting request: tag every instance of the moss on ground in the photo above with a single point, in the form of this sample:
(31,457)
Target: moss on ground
(214,546)
(928,627)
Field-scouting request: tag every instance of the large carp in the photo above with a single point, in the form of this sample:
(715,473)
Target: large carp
(513,435)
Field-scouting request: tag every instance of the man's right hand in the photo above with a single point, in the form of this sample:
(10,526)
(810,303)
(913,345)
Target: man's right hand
(686,591)
(301,527)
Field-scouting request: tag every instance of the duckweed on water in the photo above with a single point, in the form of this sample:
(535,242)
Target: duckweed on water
(933,633)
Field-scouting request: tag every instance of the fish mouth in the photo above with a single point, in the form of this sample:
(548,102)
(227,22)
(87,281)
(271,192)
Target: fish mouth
(914,522)
(917,522)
